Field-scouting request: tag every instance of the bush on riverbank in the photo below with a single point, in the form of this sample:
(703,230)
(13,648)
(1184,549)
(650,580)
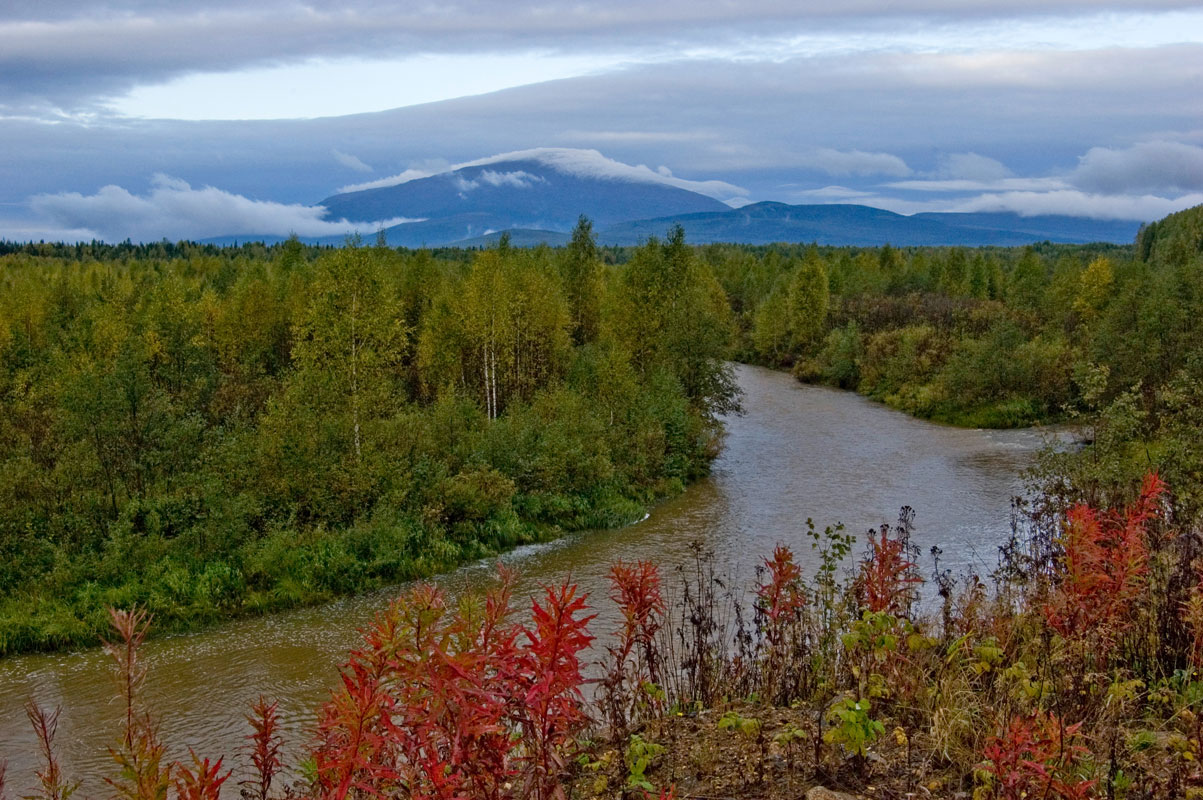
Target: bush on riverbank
(1075,675)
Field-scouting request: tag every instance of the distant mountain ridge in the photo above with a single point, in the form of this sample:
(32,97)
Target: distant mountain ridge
(539,194)
(547,188)
(864,226)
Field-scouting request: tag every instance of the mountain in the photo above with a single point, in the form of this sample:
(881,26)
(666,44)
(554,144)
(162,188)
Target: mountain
(1054,228)
(537,195)
(546,188)
(763,223)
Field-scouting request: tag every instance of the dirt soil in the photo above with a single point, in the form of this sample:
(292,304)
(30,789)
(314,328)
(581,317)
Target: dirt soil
(761,753)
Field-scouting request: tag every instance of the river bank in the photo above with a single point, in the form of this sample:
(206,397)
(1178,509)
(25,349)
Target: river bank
(797,452)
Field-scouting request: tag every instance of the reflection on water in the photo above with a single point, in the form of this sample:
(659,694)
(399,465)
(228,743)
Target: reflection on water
(798,452)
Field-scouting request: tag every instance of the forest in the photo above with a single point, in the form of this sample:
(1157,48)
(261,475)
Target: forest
(261,427)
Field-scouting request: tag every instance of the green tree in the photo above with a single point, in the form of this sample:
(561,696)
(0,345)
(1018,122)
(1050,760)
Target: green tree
(500,334)
(1028,279)
(672,315)
(809,299)
(580,271)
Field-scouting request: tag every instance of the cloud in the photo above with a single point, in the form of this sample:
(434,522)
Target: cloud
(393,180)
(1145,167)
(971,166)
(350,161)
(967,185)
(174,210)
(830,194)
(592,164)
(853,162)
(610,137)
(1081,204)
(519,179)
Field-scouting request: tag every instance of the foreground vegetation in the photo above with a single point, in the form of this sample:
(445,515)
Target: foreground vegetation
(259,428)
(1075,674)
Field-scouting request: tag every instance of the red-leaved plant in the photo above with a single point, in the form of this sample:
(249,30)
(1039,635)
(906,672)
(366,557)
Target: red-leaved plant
(143,773)
(1035,756)
(888,579)
(1104,567)
(201,781)
(264,747)
(451,703)
(51,783)
(633,667)
(780,603)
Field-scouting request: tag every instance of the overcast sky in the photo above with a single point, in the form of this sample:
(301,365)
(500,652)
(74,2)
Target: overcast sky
(121,119)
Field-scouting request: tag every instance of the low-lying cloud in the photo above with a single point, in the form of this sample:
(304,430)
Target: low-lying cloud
(1145,167)
(972,167)
(517,179)
(350,162)
(174,210)
(1075,203)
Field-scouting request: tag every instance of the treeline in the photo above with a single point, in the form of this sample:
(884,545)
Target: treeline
(987,337)
(205,432)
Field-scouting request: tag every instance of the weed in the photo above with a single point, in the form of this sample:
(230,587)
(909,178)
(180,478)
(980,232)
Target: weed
(51,783)
(733,721)
(1034,756)
(143,774)
(852,727)
(888,577)
(264,746)
(200,782)
(639,755)
(630,689)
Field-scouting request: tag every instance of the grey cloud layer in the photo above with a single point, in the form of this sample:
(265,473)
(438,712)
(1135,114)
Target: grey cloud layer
(70,52)
(1146,167)
(1110,132)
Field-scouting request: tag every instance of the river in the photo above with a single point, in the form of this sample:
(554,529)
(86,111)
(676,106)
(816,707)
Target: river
(797,452)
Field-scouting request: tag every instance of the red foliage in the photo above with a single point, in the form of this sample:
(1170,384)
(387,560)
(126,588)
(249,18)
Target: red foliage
(1105,565)
(450,704)
(637,593)
(780,602)
(264,748)
(51,783)
(202,782)
(553,708)
(1035,757)
(144,775)
(633,658)
(887,577)
(781,599)
(131,628)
